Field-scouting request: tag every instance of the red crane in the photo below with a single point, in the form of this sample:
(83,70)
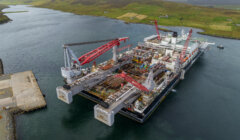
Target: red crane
(90,56)
(132,81)
(182,56)
(125,47)
(156,25)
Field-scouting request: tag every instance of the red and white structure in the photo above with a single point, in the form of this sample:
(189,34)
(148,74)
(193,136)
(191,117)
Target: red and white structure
(73,64)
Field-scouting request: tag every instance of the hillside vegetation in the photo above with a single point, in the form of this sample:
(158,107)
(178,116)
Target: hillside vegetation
(214,21)
(3,18)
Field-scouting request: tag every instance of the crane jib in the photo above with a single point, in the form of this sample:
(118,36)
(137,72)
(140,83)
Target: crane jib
(89,42)
(90,56)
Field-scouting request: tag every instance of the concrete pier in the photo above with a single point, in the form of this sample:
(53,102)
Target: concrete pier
(6,126)
(21,91)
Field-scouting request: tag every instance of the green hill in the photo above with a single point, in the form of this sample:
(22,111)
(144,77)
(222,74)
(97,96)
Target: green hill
(214,21)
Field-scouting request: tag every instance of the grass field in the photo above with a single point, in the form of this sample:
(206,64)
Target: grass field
(3,18)
(214,21)
(233,7)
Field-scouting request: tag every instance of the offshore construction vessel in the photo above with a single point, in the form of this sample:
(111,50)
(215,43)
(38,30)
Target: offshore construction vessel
(132,83)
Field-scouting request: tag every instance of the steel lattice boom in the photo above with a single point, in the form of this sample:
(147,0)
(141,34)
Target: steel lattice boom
(90,56)
(125,47)
(156,25)
(132,81)
(185,46)
(85,43)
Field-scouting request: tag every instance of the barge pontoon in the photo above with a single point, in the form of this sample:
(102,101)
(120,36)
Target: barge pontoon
(132,83)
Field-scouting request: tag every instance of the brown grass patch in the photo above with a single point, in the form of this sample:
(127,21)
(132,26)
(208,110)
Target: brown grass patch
(221,27)
(231,13)
(132,15)
(141,17)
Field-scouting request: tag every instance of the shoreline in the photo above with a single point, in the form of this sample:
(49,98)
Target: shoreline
(126,22)
(3,18)
(23,95)
(202,33)
(159,28)
(140,22)
(136,13)
(5,21)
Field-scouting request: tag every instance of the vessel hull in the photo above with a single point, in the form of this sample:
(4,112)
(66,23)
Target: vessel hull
(142,117)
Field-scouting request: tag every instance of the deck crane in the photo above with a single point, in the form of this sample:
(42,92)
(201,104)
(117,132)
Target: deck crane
(73,64)
(132,81)
(90,56)
(182,55)
(156,25)
(123,48)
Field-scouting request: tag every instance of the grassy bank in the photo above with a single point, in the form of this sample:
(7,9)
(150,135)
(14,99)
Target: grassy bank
(214,21)
(3,18)
(232,7)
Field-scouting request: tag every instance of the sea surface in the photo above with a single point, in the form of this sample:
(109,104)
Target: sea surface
(206,105)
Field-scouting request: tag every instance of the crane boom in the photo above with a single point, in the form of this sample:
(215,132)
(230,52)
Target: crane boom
(90,56)
(73,64)
(89,42)
(125,47)
(182,55)
(156,25)
(132,81)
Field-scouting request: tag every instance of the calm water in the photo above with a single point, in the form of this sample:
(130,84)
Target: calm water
(205,107)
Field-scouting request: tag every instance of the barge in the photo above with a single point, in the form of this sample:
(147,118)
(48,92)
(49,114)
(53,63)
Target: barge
(132,83)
